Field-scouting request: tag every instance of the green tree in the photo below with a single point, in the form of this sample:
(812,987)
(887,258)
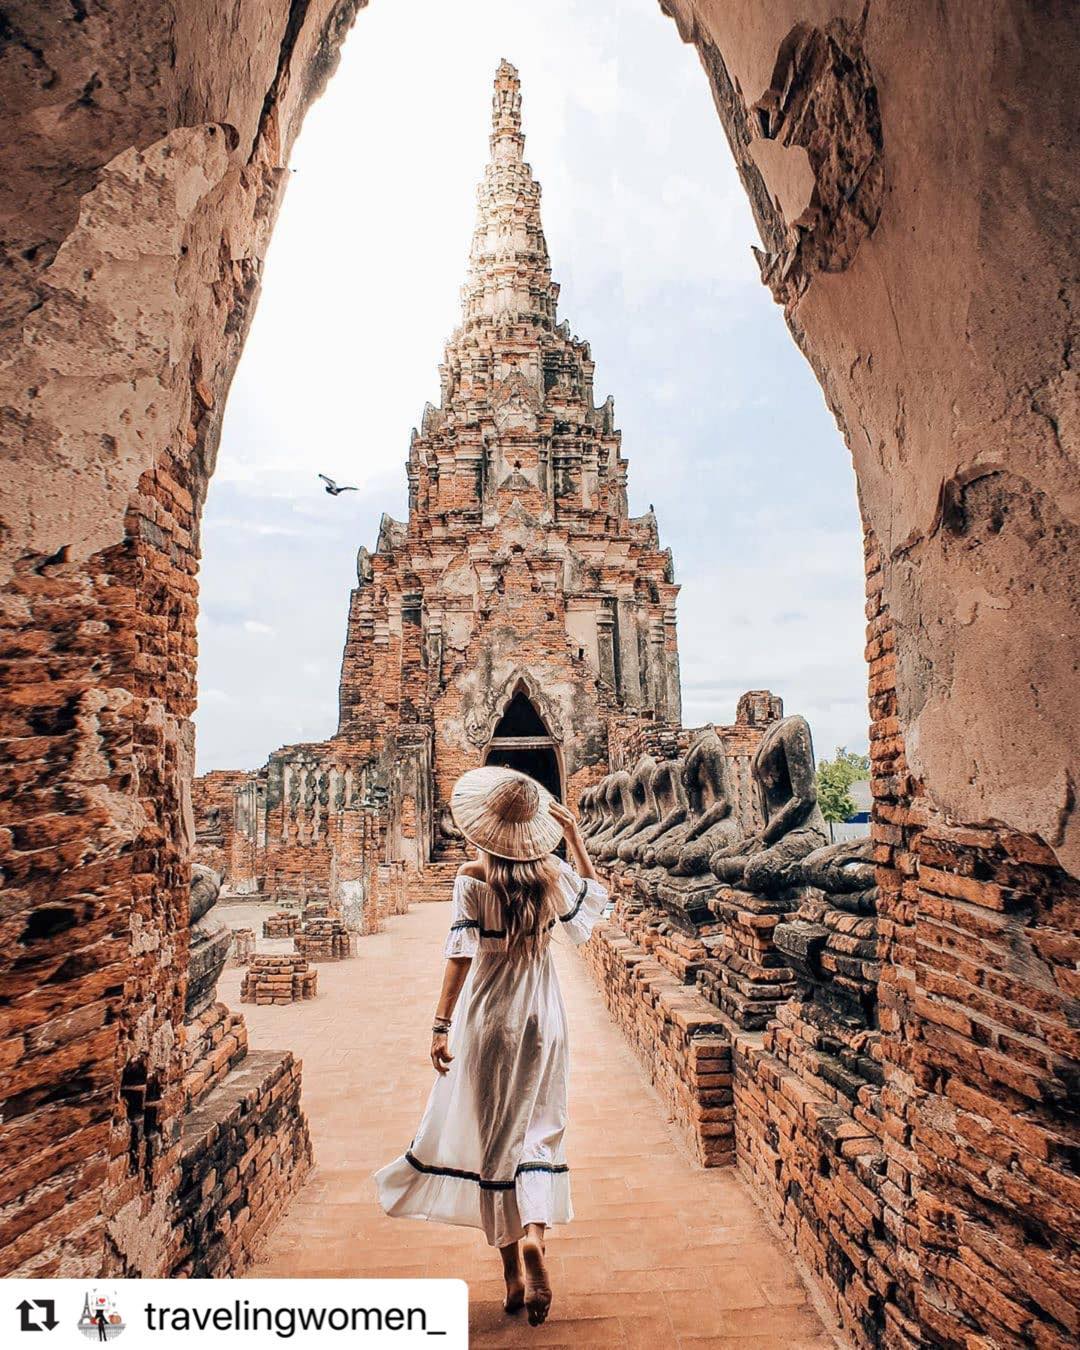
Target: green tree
(834,777)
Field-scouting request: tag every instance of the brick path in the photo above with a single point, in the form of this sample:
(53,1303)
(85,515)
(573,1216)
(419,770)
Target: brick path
(661,1254)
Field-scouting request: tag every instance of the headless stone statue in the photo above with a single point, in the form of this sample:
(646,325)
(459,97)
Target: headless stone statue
(710,824)
(671,809)
(601,819)
(590,815)
(617,806)
(209,941)
(646,816)
(447,827)
(783,770)
(210,831)
(842,871)
(637,807)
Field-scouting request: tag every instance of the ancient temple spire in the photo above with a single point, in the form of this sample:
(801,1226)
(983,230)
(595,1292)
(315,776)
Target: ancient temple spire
(507,141)
(509,272)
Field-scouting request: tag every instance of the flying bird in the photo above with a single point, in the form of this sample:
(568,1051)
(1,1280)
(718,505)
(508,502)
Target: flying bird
(333,488)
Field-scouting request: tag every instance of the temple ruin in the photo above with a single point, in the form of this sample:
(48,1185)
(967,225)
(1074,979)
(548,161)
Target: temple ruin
(518,616)
(890,1060)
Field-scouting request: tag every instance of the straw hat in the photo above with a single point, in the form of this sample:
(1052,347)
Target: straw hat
(505,813)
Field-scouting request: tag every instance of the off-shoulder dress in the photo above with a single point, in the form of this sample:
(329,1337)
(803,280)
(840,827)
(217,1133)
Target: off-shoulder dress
(489,1151)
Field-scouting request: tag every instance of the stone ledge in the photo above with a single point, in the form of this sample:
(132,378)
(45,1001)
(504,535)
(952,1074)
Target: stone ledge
(245,1151)
(675,1033)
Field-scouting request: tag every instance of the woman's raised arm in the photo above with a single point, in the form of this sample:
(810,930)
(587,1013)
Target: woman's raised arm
(575,845)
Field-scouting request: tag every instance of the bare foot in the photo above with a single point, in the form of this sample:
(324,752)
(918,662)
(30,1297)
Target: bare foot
(515,1293)
(537,1284)
(515,1281)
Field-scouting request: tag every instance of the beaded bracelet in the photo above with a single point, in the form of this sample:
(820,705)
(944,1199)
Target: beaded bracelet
(441,1027)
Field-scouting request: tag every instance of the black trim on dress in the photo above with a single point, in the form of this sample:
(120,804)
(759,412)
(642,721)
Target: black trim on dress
(577,903)
(431,1170)
(501,932)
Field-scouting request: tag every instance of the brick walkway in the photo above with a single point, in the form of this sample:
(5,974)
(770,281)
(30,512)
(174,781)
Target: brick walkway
(661,1254)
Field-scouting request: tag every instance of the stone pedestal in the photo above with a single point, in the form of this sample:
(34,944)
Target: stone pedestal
(245,1152)
(746,976)
(216,1041)
(243,946)
(686,901)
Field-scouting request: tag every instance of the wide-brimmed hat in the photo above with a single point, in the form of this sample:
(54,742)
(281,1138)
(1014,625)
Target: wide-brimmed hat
(505,813)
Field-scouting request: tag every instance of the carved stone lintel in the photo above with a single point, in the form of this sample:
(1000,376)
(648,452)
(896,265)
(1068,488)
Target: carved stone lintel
(480,721)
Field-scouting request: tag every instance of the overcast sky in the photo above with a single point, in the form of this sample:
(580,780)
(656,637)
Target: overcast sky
(723,423)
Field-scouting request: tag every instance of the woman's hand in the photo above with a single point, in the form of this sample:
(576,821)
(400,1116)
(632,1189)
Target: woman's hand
(575,845)
(566,820)
(440,1052)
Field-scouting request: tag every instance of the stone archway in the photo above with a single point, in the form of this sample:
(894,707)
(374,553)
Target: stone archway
(910,174)
(522,741)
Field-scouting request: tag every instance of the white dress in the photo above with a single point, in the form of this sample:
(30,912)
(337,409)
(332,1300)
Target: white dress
(489,1151)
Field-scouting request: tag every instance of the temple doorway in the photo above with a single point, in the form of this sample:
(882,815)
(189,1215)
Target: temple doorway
(521,741)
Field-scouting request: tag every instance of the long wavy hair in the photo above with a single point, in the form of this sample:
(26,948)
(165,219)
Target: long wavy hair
(526,895)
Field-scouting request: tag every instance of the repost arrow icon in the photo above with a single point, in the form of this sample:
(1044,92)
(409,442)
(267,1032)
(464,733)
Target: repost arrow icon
(26,1307)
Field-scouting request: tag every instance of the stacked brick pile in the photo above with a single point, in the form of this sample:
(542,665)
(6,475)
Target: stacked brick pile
(242,948)
(746,976)
(281,925)
(680,954)
(324,939)
(278,979)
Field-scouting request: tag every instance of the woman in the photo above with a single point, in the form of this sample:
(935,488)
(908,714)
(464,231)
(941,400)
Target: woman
(489,1150)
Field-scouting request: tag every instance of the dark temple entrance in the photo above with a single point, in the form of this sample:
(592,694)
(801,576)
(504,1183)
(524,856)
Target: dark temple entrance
(521,741)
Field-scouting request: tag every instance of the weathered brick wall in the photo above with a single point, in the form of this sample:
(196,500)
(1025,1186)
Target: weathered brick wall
(91,862)
(934,1195)
(64,960)
(435,882)
(994,1051)
(213,798)
(139,230)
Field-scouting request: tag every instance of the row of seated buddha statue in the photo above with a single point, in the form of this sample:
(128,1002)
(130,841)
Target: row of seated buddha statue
(679,814)
(780,912)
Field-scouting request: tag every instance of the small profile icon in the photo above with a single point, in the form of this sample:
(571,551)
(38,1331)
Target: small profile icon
(100,1319)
